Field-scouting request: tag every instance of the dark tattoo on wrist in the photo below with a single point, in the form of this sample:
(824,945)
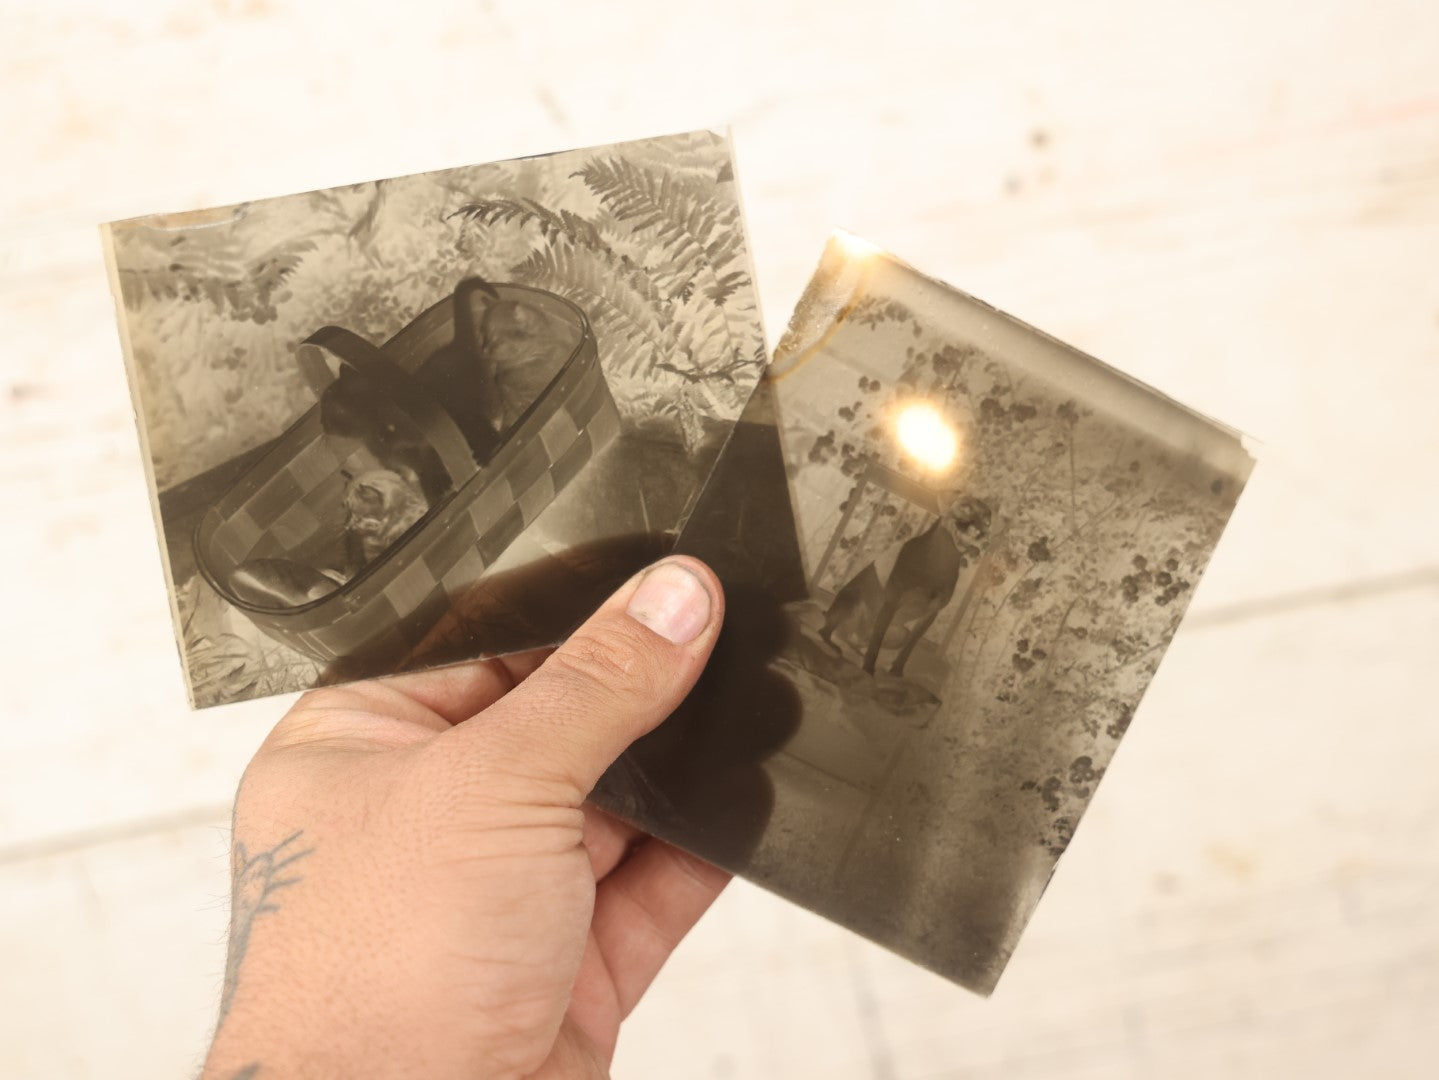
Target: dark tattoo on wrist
(254,881)
(249,1072)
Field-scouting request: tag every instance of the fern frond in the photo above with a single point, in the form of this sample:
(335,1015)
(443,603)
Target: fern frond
(698,229)
(243,290)
(566,227)
(726,286)
(599,287)
(270,270)
(553,226)
(696,153)
(683,213)
(716,371)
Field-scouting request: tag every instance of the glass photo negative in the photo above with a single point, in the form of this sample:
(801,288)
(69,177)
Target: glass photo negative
(954,551)
(436,417)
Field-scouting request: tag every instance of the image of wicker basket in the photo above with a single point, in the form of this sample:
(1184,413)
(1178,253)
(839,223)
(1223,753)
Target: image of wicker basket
(289,504)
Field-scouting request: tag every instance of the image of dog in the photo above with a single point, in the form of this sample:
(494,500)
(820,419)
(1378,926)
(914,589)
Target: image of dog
(910,584)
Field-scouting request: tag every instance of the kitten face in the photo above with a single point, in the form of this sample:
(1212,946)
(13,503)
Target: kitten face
(525,351)
(510,320)
(380,506)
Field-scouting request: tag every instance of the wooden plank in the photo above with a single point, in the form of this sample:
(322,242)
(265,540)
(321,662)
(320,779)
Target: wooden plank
(1236,202)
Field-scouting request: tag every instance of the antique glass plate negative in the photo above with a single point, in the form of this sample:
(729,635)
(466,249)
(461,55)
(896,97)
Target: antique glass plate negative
(954,550)
(425,419)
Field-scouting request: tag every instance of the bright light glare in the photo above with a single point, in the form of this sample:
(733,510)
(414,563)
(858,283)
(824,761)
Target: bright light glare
(926,436)
(856,247)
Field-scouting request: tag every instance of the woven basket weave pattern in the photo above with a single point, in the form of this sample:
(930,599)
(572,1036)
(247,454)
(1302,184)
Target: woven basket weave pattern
(287,506)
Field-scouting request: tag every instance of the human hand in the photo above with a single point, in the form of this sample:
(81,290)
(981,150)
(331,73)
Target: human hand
(418,889)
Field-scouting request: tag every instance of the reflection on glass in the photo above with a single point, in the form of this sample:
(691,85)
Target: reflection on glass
(926,436)
(856,247)
(954,551)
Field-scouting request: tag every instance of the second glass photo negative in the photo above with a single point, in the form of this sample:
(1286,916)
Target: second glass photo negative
(954,552)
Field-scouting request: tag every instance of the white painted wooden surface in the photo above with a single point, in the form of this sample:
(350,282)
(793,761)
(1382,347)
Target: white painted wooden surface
(1237,201)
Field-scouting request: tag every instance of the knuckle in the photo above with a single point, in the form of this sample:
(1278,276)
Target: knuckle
(485,777)
(313,714)
(609,660)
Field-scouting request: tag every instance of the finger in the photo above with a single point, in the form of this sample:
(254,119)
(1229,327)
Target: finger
(428,700)
(574,1056)
(615,679)
(458,692)
(594,1008)
(644,909)
(607,839)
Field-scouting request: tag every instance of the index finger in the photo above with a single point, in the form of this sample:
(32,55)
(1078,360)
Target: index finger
(644,908)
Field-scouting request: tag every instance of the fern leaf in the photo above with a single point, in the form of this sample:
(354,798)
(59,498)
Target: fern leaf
(726,286)
(646,199)
(593,283)
(565,226)
(699,230)
(245,291)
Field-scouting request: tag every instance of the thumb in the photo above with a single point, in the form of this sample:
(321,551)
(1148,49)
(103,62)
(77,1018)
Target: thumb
(616,678)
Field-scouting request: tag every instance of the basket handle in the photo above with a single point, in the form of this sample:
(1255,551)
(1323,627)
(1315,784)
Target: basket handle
(418,404)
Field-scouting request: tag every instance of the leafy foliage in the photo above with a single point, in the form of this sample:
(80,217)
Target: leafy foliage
(695,227)
(1099,535)
(228,658)
(554,225)
(246,289)
(620,300)
(646,237)
(661,270)
(874,308)
(701,236)
(653,253)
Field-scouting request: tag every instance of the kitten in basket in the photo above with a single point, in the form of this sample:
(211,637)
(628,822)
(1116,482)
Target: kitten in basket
(365,431)
(524,351)
(503,355)
(380,505)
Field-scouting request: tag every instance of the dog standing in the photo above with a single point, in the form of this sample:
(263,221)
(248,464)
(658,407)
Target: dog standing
(911,583)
